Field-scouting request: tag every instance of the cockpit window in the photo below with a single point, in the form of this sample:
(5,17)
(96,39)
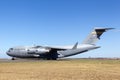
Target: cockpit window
(11,48)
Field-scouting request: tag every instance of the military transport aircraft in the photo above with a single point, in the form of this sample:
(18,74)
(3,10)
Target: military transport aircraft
(53,53)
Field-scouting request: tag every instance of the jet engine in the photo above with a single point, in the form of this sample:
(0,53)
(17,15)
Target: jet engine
(37,51)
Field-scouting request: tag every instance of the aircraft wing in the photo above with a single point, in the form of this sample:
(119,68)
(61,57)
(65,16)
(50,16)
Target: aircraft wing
(57,48)
(50,48)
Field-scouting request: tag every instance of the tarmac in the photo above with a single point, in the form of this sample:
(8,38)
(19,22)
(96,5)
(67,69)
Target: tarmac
(63,59)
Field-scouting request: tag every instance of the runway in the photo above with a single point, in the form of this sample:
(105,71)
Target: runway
(18,60)
(63,69)
(29,60)
(63,59)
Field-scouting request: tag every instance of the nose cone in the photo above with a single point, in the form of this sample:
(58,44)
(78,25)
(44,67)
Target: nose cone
(8,53)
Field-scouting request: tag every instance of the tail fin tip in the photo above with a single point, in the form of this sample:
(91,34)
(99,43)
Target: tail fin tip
(95,35)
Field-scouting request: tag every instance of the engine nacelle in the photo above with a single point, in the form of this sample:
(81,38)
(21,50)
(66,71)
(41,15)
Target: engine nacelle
(42,50)
(38,51)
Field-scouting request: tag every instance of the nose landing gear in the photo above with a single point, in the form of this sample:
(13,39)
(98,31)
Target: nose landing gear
(13,58)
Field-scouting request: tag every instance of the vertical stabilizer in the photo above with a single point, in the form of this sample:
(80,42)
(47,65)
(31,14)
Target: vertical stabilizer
(94,36)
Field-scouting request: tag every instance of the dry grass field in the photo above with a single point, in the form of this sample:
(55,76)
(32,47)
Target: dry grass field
(81,69)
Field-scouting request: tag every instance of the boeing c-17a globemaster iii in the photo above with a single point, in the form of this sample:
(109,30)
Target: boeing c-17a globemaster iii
(53,53)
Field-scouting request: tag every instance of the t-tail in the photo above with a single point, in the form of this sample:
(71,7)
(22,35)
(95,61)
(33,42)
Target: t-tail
(94,36)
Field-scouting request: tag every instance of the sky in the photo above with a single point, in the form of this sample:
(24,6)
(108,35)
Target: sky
(59,22)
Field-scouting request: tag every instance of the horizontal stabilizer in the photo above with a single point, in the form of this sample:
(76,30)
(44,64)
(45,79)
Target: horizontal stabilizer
(94,36)
(100,31)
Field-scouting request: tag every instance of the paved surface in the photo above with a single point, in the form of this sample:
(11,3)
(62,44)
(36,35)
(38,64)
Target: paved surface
(17,60)
(65,59)
(27,60)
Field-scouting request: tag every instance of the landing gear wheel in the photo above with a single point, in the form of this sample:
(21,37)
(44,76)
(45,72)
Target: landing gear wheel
(54,58)
(48,58)
(13,58)
(51,58)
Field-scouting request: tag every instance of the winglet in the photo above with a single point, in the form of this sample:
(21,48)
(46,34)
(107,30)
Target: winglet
(75,46)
